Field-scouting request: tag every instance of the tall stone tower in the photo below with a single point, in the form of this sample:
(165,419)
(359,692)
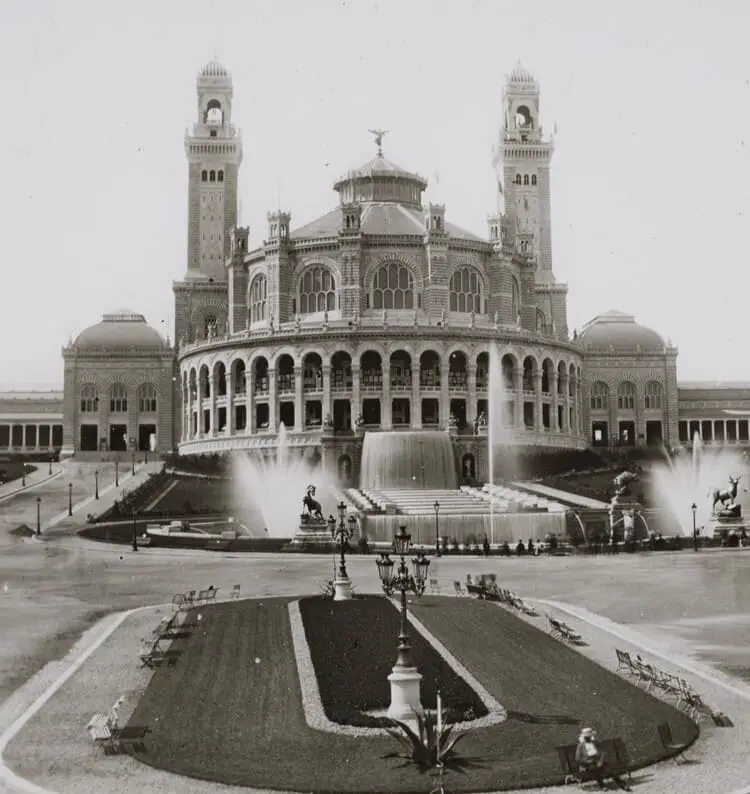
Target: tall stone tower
(522,160)
(214,153)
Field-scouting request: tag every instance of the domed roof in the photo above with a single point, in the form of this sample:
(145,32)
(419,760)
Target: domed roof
(380,167)
(619,331)
(119,330)
(521,76)
(214,68)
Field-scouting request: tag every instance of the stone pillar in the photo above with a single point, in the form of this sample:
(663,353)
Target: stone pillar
(230,404)
(640,415)
(327,404)
(386,420)
(518,381)
(471,408)
(356,407)
(103,418)
(566,402)
(188,430)
(553,408)
(445,399)
(538,424)
(299,419)
(575,424)
(212,412)
(250,400)
(273,407)
(416,401)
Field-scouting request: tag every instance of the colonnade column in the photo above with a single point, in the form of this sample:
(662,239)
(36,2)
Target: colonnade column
(212,411)
(272,390)
(132,418)
(230,404)
(356,394)
(386,419)
(575,424)
(553,410)
(538,423)
(518,410)
(327,405)
(36,446)
(250,400)
(566,403)
(299,420)
(445,400)
(103,420)
(416,402)
(471,408)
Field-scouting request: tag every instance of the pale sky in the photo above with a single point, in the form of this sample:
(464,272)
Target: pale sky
(650,188)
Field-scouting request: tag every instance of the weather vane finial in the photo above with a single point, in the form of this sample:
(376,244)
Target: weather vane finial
(379,139)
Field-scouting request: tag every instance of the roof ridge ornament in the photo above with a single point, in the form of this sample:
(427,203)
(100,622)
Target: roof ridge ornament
(379,139)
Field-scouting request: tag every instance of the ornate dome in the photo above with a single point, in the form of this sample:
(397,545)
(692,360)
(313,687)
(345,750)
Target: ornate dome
(214,69)
(521,76)
(620,331)
(381,180)
(118,330)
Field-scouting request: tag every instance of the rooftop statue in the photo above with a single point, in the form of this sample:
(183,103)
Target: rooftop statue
(379,139)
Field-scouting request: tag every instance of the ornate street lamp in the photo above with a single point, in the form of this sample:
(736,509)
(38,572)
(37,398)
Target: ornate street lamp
(50,466)
(23,477)
(405,678)
(342,533)
(135,530)
(70,498)
(694,508)
(436,507)
(38,516)
(96,484)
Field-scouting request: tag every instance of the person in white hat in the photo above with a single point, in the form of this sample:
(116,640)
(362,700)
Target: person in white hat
(591,759)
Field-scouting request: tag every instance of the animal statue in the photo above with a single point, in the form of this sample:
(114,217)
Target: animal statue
(728,495)
(622,481)
(312,505)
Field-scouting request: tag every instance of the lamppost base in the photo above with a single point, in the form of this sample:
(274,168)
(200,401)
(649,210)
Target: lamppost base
(342,589)
(405,695)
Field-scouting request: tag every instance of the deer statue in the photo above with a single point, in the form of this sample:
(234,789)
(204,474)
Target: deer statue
(727,495)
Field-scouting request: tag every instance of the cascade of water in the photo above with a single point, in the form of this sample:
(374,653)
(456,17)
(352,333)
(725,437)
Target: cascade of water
(272,490)
(421,459)
(684,481)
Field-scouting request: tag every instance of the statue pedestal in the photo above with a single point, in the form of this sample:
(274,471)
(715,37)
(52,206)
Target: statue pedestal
(723,521)
(405,696)
(342,588)
(311,534)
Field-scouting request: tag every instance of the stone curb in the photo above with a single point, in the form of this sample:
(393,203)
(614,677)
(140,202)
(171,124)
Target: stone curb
(31,486)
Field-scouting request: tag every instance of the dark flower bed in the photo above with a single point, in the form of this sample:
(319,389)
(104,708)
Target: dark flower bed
(353,649)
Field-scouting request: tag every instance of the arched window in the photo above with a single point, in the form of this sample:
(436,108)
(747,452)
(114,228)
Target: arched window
(515,301)
(466,292)
(626,396)
(204,175)
(209,325)
(118,398)
(147,399)
(258,294)
(212,176)
(533,179)
(518,179)
(220,176)
(541,322)
(599,396)
(526,179)
(317,291)
(654,392)
(89,399)
(393,288)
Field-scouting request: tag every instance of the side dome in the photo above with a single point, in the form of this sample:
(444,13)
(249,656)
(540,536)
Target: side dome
(619,331)
(121,330)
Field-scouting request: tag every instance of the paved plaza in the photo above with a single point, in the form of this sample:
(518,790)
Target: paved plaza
(685,612)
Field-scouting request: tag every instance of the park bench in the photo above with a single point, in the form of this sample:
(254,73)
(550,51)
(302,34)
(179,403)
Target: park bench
(668,743)
(617,760)
(434,585)
(206,596)
(458,588)
(104,730)
(156,656)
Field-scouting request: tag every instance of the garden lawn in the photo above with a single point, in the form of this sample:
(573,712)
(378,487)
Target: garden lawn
(361,636)
(231,711)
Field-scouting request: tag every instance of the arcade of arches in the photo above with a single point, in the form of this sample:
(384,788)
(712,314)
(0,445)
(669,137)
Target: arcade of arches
(403,390)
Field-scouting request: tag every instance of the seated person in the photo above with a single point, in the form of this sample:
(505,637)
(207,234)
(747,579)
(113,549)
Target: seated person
(592,760)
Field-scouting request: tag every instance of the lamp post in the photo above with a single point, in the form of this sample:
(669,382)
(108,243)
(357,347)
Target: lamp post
(132,463)
(405,678)
(436,507)
(341,533)
(23,477)
(694,508)
(70,498)
(38,516)
(50,466)
(96,484)
(135,530)
(117,473)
